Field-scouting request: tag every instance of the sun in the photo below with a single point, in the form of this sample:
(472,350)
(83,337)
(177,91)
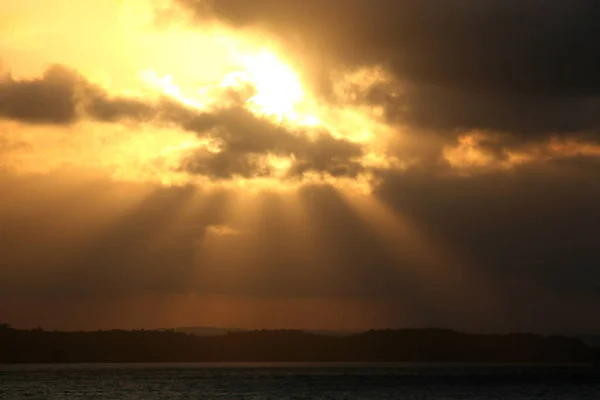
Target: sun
(279,92)
(278,86)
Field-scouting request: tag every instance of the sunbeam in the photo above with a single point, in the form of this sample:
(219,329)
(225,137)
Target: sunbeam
(302,163)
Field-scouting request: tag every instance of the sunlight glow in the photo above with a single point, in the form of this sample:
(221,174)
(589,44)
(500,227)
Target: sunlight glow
(206,69)
(278,87)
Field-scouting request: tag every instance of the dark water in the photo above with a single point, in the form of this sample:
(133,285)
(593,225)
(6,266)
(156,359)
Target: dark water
(297,381)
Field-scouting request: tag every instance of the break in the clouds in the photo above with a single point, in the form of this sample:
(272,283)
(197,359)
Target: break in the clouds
(311,164)
(243,139)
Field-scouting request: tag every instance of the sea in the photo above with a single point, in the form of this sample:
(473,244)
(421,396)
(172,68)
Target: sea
(298,381)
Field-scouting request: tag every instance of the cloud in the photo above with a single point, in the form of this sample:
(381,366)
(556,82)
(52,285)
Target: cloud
(524,67)
(63,96)
(106,109)
(246,142)
(50,99)
(479,151)
(535,224)
(525,117)
(459,43)
(222,230)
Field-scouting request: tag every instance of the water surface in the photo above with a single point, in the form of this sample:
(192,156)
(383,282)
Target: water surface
(297,381)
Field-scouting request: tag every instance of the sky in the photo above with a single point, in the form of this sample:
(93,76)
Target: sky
(311,164)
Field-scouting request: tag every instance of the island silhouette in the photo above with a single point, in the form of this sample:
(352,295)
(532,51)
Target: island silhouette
(402,345)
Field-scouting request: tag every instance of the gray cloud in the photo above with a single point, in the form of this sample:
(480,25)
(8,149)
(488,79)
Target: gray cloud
(245,135)
(50,99)
(107,109)
(537,224)
(525,118)
(63,96)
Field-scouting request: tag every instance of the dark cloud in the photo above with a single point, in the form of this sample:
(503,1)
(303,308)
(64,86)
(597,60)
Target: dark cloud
(521,66)
(246,136)
(50,99)
(63,96)
(107,109)
(530,45)
(537,224)
(526,118)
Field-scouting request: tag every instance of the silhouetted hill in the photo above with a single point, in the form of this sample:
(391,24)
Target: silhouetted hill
(214,331)
(407,345)
(206,330)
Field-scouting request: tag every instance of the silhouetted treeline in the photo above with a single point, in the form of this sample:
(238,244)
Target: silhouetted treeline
(407,345)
